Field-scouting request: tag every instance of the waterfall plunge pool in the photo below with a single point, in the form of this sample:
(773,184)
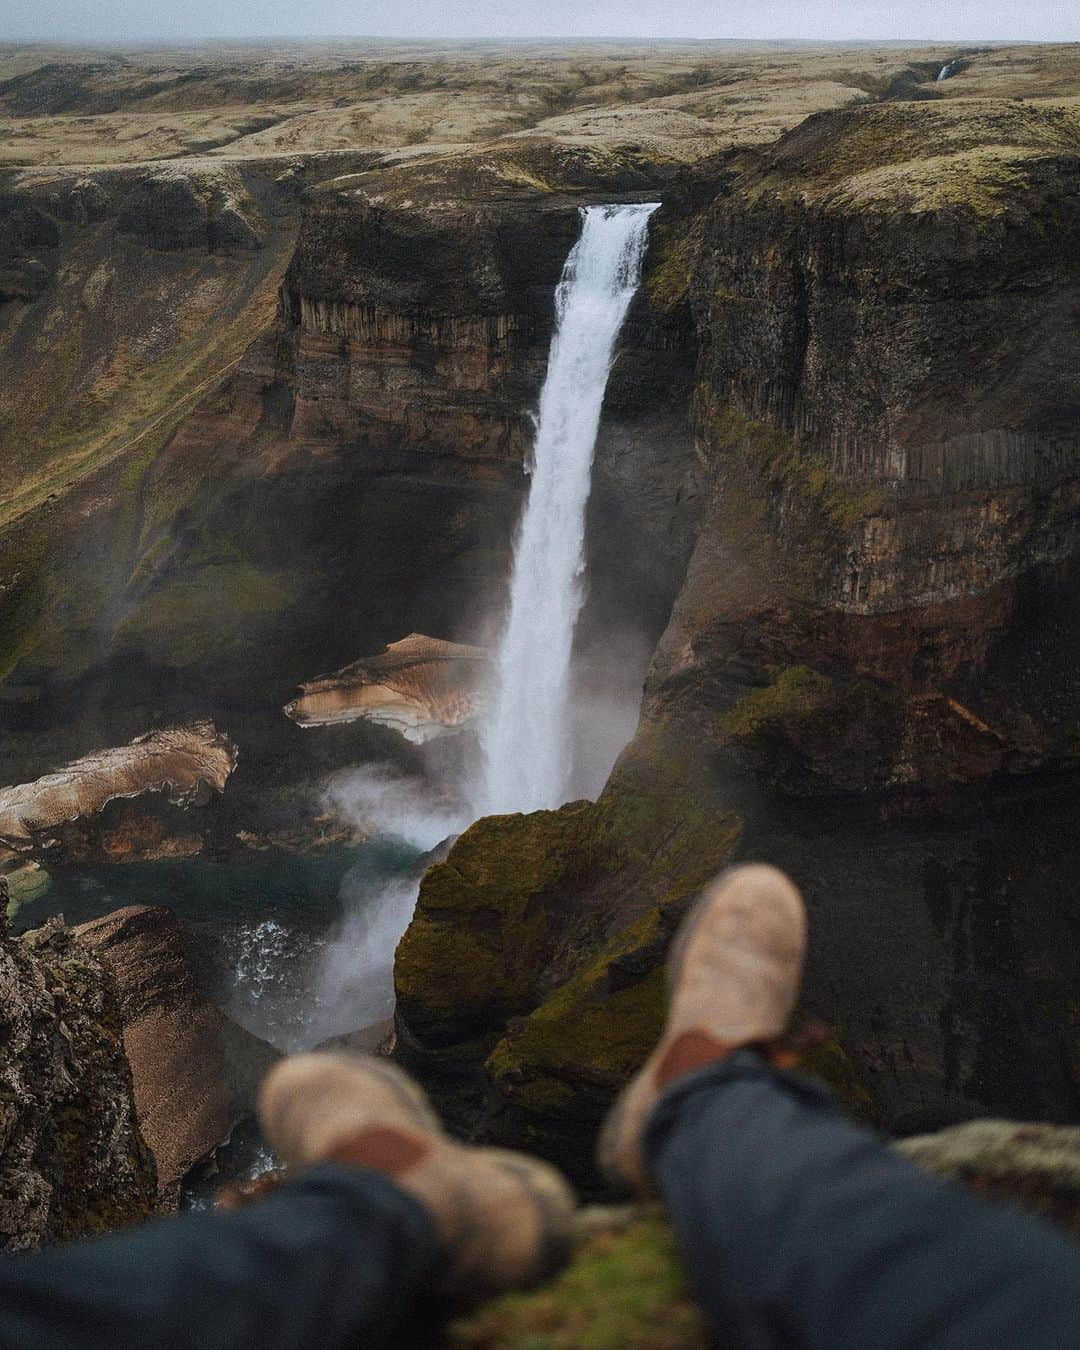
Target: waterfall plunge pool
(295,948)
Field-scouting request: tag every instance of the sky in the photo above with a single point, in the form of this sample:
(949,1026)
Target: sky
(112,21)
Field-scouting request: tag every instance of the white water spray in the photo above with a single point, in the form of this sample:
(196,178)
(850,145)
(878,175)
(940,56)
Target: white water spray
(525,738)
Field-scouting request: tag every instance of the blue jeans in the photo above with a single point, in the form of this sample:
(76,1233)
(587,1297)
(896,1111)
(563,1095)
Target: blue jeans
(337,1258)
(800,1231)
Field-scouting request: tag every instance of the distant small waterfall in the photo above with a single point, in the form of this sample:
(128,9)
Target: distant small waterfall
(525,738)
(947,70)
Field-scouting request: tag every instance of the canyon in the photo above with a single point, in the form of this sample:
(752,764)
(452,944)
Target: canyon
(274,341)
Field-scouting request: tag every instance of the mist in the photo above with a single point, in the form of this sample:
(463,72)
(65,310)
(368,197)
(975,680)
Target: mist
(381,799)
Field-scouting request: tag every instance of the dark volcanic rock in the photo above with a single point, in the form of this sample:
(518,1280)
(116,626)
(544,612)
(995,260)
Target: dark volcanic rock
(72,1160)
(195,1072)
(28,238)
(166,212)
(172,210)
(24,279)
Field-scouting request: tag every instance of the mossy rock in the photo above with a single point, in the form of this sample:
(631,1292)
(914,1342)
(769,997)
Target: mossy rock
(624,1288)
(537,948)
(188,622)
(522,902)
(669,270)
(476,948)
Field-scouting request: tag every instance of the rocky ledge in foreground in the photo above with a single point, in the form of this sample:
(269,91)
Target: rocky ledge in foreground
(626,1286)
(422,687)
(83,810)
(116,1075)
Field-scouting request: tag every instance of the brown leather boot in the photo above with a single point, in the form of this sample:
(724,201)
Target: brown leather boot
(733,978)
(504,1220)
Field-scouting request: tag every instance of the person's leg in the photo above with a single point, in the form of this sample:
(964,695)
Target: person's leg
(331,1260)
(385,1208)
(800,1229)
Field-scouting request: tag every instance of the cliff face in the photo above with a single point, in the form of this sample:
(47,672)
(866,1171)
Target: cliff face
(194,1072)
(147,291)
(72,1160)
(866,676)
(877,625)
(888,384)
(856,551)
(357,477)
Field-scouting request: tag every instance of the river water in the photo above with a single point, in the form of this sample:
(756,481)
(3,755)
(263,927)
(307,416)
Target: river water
(295,948)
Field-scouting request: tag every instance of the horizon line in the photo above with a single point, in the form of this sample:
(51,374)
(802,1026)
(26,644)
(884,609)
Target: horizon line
(203,38)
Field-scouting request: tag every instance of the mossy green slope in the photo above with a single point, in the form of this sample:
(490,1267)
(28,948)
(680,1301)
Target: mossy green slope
(625,1288)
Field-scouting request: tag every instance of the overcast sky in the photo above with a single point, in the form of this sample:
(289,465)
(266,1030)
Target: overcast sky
(168,20)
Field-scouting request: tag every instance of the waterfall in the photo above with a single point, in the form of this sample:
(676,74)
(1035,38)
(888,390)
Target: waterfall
(525,738)
(946,71)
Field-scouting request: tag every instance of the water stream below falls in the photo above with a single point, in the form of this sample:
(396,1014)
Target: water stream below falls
(295,948)
(526,746)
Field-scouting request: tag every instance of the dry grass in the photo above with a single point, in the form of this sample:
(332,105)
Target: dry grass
(62,107)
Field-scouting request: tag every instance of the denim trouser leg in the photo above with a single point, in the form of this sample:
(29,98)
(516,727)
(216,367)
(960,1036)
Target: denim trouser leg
(335,1259)
(802,1230)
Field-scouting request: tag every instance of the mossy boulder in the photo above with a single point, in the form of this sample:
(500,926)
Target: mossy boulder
(537,947)
(485,931)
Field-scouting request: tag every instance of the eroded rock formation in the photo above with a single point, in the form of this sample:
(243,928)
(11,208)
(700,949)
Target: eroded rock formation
(194,1071)
(420,686)
(66,811)
(72,1159)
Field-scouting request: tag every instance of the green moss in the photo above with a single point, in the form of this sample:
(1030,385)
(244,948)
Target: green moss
(21,614)
(982,181)
(587,1029)
(794,695)
(973,156)
(25,885)
(829,507)
(791,518)
(623,1289)
(565,916)
(543,1096)
(482,929)
(672,255)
